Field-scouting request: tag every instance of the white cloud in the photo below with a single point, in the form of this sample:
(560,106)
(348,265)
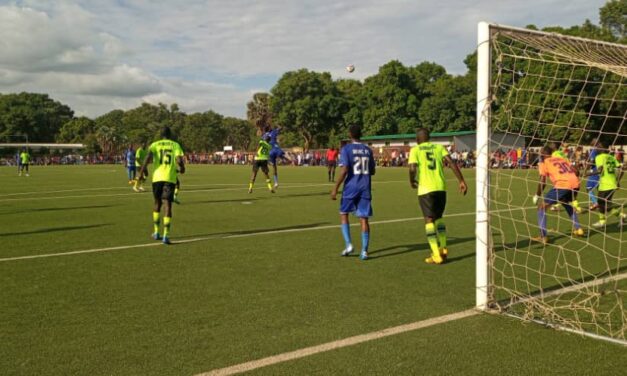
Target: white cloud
(212,54)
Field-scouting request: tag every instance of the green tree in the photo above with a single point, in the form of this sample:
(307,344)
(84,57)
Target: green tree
(613,18)
(258,111)
(390,101)
(307,103)
(238,133)
(202,132)
(35,116)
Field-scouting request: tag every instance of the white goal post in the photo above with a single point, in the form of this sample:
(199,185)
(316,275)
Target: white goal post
(534,89)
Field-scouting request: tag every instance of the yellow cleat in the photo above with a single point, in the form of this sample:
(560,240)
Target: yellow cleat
(434,260)
(579,232)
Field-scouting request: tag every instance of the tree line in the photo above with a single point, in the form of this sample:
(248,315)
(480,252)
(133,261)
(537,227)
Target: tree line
(313,109)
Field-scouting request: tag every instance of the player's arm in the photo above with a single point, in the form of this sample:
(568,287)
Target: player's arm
(541,185)
(336,188)
(180,161)
(144,167)
(621,172)
(372,165)
(463,188)
(412,175)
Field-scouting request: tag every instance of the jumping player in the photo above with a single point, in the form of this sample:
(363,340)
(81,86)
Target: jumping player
(332,155)
(610,172)
(272,136)
(357,168)
(168,162)
(426,173)
(261,162)
(565,183)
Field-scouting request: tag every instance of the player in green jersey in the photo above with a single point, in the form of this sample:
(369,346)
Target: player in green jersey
(24,162)
(140,157)
(610,172)
(261,161)
(168,162)
(426,173)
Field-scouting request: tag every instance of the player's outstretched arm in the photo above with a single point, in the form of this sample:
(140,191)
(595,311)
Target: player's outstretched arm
(463,188)
(336,188)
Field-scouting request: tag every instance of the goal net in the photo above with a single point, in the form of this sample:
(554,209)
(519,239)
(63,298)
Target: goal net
(537,89)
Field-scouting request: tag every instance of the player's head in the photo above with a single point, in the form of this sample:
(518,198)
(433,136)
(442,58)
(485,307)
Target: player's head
(546,151)
(355,132)
(166,133)
(554,146)
(266,137)
(422,135)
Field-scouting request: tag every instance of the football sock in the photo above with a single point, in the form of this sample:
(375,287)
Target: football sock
(346,233)
(250,185)
(441,230)
(155,222)
(136,183)
(432,238)
(276,179)
(166,226)
(176,192)
(542,222)
(365,241)
(593,197)
(615,211)
(573,215)
(602,218)
(269,184)
(575,204)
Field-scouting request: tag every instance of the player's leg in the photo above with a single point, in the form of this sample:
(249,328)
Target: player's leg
(364,212)
(427,204)
(591,185)
(333,172)
(157,192)
(26,166)
(328,171)
(253,177)
(615,210)
(604,203)
(347,206)
(274,154)
(566,201)
(550,201)
(575,203)
(266,172)
(440,226)
(167,198)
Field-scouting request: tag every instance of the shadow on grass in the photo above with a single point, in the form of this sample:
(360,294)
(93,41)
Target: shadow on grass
(408,248)
(41,210)
(223,201)
(256,231)
(306,195)
(54,229)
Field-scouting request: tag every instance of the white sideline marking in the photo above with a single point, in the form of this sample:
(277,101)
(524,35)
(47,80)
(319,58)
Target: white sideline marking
(334,345)
(194,240)
(239,188)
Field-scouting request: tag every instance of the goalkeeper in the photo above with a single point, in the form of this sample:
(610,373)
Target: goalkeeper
(426,173)
(565,183)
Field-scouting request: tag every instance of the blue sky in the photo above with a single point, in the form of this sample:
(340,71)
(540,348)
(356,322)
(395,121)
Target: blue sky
(100,55)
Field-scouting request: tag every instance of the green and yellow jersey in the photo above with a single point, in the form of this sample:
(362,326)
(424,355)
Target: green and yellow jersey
(164,154)
(263,151)
(24,158)
(140,156)
(560,154)
(608,177)
(429,159)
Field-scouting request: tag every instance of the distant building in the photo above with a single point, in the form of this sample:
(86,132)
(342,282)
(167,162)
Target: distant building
(462,140)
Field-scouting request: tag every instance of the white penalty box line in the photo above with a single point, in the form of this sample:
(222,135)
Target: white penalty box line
(335,345)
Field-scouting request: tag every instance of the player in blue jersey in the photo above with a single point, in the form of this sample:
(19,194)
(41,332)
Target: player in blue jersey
(357,168)
(129,159)
(593,180)
(276,152)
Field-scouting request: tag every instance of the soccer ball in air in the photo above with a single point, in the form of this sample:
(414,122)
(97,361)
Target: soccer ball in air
(350,68)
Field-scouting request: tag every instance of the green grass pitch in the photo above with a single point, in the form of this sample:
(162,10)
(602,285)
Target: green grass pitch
(257,275)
